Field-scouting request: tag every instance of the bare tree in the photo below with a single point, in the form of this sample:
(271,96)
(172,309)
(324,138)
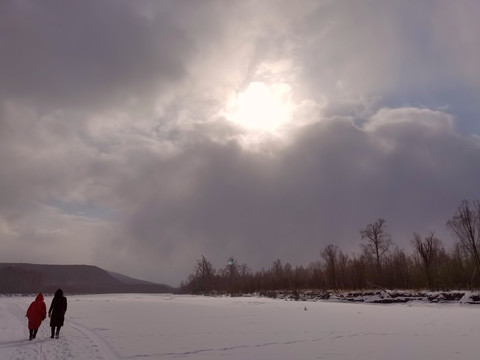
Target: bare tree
(377,266)
(232,268)
(288,275)
(330,255)
(378,240)
(396,272)
(244,274)
(276,273)
(317,276)
(428,249)
(203,277)
(231,275)
(465,225)
(358,271)
(343,260)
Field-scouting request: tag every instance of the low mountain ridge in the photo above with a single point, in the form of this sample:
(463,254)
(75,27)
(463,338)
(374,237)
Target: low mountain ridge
(129,280)
(80,279)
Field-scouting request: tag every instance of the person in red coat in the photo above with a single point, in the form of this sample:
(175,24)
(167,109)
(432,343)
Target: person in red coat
(36,313)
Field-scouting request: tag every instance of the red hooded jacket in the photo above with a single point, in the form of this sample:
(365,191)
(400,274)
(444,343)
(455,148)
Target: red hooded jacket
(37,312)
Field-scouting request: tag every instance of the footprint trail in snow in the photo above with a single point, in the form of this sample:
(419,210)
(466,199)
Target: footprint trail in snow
(75,342)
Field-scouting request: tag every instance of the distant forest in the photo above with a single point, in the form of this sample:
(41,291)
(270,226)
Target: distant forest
(379,264)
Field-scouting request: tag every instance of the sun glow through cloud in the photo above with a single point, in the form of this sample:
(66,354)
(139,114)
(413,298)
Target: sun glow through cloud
(261,108)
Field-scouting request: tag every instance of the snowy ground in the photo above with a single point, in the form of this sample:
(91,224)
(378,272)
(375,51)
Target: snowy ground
(188,327)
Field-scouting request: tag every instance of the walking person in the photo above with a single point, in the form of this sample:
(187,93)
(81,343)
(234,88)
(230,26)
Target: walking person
(36,313)
(57,311)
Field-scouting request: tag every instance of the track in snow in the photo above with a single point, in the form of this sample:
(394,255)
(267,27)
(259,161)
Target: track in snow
(76,341)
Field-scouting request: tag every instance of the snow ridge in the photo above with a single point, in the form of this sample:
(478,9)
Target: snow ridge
(378,296)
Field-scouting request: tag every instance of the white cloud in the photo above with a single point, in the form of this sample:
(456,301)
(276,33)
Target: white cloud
(396,119)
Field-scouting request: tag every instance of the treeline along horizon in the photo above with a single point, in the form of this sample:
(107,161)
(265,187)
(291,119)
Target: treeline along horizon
(379,264)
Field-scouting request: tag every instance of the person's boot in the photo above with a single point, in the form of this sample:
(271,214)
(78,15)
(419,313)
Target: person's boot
(51,337)
(57,334)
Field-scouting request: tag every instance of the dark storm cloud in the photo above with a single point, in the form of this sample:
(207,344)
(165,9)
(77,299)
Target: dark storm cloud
(87,53)
(407,166)
(115,148)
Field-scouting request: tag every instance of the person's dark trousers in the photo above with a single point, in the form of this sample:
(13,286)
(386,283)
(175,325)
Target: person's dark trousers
(33,333)
(55,333)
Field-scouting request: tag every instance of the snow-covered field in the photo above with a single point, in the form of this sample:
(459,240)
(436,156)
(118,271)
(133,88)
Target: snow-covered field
(138,326)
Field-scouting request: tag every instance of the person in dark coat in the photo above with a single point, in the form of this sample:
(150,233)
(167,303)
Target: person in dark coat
(36,313)
(57,311)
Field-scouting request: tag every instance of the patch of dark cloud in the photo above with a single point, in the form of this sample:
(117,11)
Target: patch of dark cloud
(409,167)
(89,54)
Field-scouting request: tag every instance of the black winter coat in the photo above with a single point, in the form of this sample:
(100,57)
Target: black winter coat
(57,310)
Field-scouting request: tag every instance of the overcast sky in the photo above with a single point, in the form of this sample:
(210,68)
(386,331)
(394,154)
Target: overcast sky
(139,135)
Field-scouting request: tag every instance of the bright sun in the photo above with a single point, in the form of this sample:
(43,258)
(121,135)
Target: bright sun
(261,108)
